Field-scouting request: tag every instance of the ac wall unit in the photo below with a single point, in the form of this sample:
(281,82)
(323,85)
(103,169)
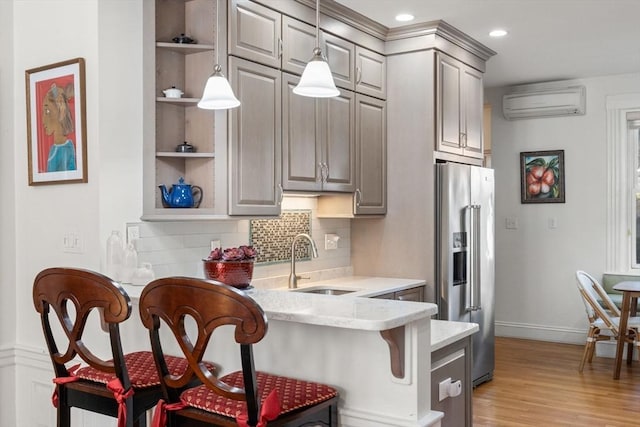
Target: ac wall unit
(544,100)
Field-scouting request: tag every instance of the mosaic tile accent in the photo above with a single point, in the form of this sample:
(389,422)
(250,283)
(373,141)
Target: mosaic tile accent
(272,237)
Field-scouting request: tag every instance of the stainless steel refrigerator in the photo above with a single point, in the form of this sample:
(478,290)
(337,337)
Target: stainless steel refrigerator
(465,223)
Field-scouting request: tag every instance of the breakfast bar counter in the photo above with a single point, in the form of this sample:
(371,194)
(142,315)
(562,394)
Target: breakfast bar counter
(376,352)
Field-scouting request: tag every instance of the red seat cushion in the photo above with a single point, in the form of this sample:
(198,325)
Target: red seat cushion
(141,368)
(292,394)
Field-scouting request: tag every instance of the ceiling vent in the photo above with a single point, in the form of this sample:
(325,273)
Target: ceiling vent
(544,100)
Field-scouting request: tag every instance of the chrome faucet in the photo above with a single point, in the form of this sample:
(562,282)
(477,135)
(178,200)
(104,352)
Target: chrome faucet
(293,279)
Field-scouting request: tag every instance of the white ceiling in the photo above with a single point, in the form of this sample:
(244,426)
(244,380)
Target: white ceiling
(548,39)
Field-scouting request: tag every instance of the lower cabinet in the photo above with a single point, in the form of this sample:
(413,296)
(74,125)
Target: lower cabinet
(412,294)
(450,364)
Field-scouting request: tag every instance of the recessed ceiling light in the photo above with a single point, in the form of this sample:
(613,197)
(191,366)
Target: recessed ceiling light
(498,33)
(404,17)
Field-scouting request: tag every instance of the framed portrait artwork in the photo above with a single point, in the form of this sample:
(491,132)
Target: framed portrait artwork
(56,123)
(542,176)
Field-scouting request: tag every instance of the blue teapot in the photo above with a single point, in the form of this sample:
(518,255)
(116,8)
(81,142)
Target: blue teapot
(181,195)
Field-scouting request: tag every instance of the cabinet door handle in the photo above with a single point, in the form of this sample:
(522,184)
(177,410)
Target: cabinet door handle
(358,198)
(463,139)
(320,172)
(358,75)
(281,190)
(325,175)
(280,48)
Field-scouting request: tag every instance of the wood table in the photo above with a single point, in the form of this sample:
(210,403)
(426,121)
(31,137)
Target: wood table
(630,293)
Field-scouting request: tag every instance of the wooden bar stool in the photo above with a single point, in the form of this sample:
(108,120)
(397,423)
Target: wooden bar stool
(127,385)
(246,397)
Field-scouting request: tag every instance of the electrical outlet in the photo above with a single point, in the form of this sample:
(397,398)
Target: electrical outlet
(511,223)
(72,242)
(215,244)
(133,233)
(331,241)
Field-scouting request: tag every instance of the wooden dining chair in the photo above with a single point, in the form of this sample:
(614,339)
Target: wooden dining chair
(604,318)
(246,397)
(126,385)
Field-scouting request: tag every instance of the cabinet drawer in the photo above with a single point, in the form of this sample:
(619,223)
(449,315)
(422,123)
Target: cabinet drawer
(413,294)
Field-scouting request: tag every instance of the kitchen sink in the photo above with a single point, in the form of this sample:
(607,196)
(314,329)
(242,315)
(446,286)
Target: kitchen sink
(325,291)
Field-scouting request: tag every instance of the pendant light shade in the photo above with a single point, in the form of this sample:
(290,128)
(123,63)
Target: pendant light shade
(218,94)
(316,80)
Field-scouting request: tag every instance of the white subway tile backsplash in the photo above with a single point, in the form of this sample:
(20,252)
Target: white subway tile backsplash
(177,248)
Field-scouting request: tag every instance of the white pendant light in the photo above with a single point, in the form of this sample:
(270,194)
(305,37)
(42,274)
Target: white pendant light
(316,80)
(218,94)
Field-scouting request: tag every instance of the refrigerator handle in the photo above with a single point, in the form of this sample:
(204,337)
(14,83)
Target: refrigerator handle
(473,284)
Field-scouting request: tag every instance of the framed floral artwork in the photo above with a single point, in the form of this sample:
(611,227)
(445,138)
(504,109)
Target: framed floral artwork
(542,176)
(56,123)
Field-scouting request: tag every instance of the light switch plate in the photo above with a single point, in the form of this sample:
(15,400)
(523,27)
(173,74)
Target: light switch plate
(511,223)
(133,233)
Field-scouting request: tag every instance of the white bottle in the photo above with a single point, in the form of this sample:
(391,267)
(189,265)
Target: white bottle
(115,256)
(130,263)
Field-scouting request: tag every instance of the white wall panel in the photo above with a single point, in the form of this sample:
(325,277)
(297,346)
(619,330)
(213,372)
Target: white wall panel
(536,294)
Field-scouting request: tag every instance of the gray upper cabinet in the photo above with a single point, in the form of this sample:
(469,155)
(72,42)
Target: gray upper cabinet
(371,73)
(255,33)
(255,140)
(298,42)
(318,141)
(371,155)
(459,97)
(301,154)
(341,58)
(338,133)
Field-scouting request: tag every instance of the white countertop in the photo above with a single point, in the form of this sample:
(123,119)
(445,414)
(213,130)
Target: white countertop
(339,311)
(445,332)
(362,286)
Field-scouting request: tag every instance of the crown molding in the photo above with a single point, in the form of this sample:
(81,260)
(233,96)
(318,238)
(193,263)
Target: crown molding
(442,29)
(438,28)
(348,16)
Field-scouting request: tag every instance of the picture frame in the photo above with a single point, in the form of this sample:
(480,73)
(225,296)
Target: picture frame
(542,177)
(56,123)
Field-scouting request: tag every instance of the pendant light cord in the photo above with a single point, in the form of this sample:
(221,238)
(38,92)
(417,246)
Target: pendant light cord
(318,23)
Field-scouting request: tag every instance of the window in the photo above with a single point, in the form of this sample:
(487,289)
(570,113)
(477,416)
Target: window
(623,194)
(633,125)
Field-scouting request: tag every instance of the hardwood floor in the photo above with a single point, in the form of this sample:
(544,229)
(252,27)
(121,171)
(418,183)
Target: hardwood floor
(538,384)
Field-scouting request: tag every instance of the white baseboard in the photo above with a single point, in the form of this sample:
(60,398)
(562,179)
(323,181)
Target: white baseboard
(541,332)
(355,418)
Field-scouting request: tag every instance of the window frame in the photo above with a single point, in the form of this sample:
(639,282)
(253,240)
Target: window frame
(622,164)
